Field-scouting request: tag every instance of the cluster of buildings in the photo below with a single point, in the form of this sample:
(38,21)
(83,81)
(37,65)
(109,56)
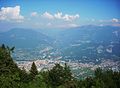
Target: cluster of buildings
(47,64)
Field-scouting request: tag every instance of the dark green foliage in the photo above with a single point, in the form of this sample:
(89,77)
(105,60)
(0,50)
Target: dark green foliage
(33,71)
(98,73)
(9,81)
(56,75)
(67,73)
(9,72)
(102,79)
(7,64)
(70,84)
(24,77)
(59,75)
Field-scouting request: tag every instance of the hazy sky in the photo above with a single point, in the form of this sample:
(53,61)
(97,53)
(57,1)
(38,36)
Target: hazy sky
(58,13)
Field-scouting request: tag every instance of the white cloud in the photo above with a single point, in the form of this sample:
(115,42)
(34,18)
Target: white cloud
(115,20)
(11,13)
(66,17)
(48,15)
(34,14)
(60,16)
(58,20)
(35,20)
(112,22)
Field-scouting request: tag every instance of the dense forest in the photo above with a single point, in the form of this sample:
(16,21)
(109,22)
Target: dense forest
(58,77)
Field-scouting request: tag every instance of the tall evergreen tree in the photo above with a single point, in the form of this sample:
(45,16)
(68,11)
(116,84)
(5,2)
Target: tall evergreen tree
(7,64)
(3,46)
(33,71)
(9,71)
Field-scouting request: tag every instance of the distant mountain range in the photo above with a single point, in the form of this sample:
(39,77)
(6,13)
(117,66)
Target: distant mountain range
(24,38)
(85,42)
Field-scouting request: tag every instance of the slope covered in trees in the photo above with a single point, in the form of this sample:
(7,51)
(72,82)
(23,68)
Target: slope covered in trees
(58,77)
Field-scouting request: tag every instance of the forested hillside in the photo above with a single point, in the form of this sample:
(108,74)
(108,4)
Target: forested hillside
(58,77)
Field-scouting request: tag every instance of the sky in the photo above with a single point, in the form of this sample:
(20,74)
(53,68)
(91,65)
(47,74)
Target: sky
(58,14)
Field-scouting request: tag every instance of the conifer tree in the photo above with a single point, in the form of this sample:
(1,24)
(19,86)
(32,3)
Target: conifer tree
(33,71)
(7,64)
